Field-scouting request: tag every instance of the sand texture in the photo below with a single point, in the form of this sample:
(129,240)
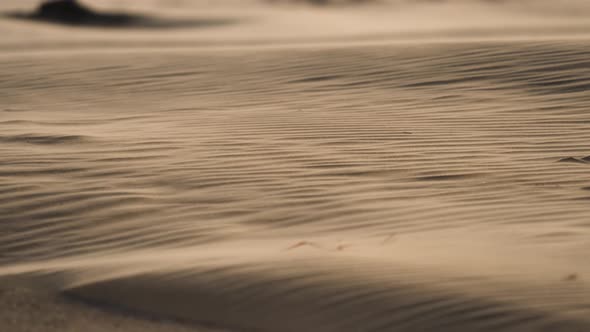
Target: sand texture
(403,166)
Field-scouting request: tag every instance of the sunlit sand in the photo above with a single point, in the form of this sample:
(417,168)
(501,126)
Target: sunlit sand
(274,166)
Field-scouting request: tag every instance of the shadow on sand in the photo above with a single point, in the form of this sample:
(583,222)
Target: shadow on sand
(72,13)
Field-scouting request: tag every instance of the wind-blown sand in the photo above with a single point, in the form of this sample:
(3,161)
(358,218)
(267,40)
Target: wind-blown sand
(397,166)
(26,309)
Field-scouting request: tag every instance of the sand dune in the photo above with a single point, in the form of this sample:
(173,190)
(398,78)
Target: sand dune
(418,169)
(24,309)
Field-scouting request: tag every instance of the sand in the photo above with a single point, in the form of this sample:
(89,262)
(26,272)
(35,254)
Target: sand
(29,309)
(394,166)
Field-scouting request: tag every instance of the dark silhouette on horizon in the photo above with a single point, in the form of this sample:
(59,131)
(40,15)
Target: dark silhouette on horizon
(75,13)
(64,10)
(72,12)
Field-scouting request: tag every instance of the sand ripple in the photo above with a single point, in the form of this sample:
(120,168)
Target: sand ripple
(173,152)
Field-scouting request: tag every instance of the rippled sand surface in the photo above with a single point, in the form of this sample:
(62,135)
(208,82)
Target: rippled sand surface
(398,166)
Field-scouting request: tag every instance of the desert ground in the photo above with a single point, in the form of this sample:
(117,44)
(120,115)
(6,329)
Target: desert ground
(281,166)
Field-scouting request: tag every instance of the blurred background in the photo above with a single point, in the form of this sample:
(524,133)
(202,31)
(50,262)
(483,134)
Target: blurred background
(229,22)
